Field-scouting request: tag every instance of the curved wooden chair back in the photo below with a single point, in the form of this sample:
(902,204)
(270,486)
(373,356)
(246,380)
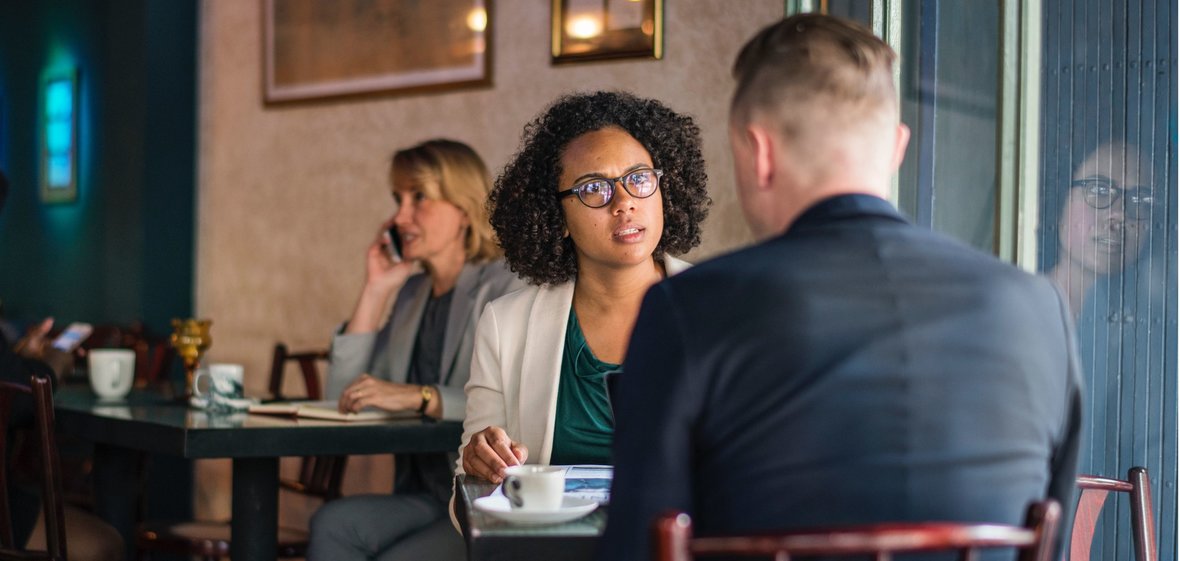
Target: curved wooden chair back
(319,476)
(1094,491)
(674,540)
(154,357)
(52,508)
(308,366)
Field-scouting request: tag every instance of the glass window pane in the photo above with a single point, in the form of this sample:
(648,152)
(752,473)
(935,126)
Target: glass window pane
(948,94)
(1108,122)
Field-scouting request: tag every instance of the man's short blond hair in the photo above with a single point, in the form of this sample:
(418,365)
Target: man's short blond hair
(811,73)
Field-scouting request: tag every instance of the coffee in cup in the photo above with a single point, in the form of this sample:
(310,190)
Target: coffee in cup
(533,487)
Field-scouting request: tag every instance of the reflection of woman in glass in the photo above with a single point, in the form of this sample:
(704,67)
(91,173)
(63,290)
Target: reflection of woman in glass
(1104,220)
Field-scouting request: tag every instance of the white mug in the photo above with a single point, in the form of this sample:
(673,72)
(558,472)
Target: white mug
(111,372)
(533,487)
(218,384)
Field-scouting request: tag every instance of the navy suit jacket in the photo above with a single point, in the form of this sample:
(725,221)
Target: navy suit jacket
(855,369)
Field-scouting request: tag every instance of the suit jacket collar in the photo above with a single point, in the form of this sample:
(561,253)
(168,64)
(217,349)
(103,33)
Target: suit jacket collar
(842,207)
(465,292)
(402,340)
(544,348)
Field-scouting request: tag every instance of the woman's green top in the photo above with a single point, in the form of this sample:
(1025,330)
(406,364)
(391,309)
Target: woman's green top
(584,425)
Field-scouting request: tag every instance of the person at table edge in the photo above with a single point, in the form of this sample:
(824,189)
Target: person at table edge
(605,189)
(420,359)
(862,369)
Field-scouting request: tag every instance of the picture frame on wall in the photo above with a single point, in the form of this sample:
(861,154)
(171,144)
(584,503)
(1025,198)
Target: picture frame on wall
(316,49)
(607,29)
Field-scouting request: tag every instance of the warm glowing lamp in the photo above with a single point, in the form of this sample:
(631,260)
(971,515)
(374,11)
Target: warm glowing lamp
(584,27)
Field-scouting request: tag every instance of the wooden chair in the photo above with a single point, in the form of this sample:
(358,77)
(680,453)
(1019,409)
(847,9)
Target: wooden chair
(1094,491)
(51,487)
(154,357)
(319,476)
(308,367)
(674,541)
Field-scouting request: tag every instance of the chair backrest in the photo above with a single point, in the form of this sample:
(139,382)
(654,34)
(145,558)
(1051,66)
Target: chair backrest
(674,540)
(41,392)
(307,361)
(154,357)
(1093,495)
(319,476)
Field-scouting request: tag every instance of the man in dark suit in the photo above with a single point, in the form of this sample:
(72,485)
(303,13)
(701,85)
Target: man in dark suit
(851,367)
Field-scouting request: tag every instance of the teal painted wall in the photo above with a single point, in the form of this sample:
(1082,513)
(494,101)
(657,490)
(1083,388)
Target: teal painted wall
(124,249)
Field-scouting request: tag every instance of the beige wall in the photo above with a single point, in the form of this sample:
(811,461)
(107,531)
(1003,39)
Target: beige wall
(289,196)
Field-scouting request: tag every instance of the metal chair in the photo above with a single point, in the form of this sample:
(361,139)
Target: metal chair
(674,540)
(1094,491)
(53,507)
(319,476)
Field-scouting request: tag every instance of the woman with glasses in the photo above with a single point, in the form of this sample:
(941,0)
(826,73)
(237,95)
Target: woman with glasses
(436,259)
(1104,219)
(605,189)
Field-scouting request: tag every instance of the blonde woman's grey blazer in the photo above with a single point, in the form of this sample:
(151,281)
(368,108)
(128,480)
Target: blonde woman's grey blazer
(386,354)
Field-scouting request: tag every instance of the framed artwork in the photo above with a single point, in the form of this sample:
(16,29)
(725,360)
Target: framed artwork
(59,136)
(317,49)
(606,29)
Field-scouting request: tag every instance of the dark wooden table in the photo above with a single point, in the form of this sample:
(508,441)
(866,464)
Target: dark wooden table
(150,423)
(491,539)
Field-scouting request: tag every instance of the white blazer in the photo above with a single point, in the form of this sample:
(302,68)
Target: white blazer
(516,365)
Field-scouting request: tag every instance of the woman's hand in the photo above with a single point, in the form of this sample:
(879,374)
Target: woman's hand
(490,452)
(382,273)
(367,391)
(383,278)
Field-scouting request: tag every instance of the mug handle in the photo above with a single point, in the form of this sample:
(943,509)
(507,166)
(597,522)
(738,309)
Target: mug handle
(512,490)
(197,382)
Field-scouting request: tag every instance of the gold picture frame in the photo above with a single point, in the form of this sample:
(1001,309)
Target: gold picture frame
(607,29)
(315,49)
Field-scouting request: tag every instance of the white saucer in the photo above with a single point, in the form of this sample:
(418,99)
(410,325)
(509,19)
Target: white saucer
(571,508)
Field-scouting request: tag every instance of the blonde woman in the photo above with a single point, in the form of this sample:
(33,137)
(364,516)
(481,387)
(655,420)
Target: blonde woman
(420,359)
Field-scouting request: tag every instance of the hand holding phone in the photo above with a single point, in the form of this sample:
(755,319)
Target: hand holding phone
(393,244)
(73,336)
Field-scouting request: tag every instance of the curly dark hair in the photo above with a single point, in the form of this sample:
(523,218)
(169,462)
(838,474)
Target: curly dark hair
(526,214)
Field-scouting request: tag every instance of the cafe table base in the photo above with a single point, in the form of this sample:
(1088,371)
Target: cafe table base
(255,508)
(146,422)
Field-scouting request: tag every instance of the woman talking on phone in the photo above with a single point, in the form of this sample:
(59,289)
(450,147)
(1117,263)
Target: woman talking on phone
(436,260)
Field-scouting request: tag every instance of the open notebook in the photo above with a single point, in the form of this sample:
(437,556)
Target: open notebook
(326,410)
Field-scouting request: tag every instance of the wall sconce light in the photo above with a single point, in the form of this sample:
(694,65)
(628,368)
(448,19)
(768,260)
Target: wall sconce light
(59,137)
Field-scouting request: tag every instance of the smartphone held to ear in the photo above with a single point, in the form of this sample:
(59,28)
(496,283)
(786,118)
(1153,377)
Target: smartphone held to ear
(393,244)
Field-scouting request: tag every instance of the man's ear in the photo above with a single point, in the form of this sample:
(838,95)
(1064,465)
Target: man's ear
(762,147)
(901,139)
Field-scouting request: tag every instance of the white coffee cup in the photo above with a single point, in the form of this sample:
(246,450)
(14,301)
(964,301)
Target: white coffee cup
(111,372)
(219,382)
(533,487)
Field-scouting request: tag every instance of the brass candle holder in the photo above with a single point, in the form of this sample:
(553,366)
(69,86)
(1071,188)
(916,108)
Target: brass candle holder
(190,338)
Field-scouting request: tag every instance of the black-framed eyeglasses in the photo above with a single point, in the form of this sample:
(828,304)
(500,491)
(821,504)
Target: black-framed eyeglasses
(1101,193)
(597,192)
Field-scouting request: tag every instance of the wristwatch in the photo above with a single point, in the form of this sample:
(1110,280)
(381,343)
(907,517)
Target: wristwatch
(427,395)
